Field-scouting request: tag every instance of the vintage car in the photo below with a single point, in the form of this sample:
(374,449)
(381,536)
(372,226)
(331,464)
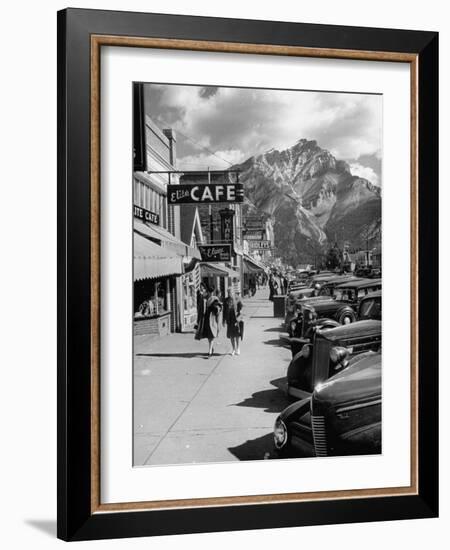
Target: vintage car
(319,289)
(341,307)
(342,416)
(296,284)
(313,361)
(370,306)
(327,288)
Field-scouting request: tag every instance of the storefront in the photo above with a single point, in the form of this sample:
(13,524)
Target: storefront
(220,276)
(184,311)
(155,272)
(252,274)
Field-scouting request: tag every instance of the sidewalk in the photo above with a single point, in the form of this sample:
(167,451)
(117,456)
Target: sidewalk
(188,408)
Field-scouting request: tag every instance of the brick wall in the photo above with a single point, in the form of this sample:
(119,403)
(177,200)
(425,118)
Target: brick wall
(159,326)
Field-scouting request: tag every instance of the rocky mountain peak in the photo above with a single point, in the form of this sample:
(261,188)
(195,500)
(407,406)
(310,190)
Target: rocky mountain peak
(311,196)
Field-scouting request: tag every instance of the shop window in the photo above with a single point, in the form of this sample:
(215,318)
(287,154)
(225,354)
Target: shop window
(151,298)
(189,294)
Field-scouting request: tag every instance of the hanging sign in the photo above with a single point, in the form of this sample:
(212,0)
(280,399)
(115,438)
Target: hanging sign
(146,215)
(226,225)
(260,245)
(210,193)
(215,252)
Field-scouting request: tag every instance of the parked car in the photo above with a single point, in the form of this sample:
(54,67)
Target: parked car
(370,306)
(321,290)
(327,288)
(375,273)
(341,307)
(341,417)
(296,284)
(363,271)
(313,361)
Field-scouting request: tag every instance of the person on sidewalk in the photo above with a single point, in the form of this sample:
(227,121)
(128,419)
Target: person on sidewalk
(232,316)
(208,318)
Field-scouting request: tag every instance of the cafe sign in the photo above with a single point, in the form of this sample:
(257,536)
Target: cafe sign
(209,193)
(215,252)
(146,215)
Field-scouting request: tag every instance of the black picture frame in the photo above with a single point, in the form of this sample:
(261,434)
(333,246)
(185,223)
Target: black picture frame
(76,518)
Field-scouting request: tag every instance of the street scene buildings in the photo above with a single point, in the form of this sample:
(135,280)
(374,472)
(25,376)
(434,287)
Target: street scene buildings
(257,294)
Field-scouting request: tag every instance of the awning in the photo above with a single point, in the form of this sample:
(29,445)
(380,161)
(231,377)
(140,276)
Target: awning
(166,240)
(252,266)
(152,261)
(210,270)
(218,270)
(231,272)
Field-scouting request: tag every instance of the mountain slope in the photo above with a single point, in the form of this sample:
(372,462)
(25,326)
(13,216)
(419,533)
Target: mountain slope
(312,198)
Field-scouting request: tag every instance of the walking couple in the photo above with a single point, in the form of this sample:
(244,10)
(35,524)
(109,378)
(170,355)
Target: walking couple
(209,309)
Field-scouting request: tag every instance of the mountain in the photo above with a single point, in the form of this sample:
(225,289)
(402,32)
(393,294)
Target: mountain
(312,199)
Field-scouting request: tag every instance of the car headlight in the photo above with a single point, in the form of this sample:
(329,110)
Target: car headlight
(279,433)
(338,354)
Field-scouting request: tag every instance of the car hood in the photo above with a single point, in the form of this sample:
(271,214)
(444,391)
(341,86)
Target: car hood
(359,381)
(353,330)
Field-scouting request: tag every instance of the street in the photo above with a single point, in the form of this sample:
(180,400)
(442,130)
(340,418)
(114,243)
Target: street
(190,408)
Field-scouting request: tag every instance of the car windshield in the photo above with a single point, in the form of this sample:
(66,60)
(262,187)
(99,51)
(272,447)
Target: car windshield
(370,309)
(344,294)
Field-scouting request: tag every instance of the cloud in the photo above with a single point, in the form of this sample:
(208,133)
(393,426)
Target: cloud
(365,172)
(220,160)
(251,121)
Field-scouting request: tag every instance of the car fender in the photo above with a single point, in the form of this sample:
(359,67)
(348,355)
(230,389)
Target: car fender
(325,323)
(297,365)
(298,408)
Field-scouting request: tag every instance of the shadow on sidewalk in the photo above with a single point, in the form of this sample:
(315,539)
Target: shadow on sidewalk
(272,401)
(278,342)
(280,383)
(255,449)
(186,355)
(274,329)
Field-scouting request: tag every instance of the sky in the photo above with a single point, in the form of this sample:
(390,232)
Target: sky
(220,126)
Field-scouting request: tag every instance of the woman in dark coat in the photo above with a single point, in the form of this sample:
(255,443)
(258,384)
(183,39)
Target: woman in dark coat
(232,317)
(208,313)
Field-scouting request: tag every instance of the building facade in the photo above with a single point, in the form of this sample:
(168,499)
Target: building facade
(166,275)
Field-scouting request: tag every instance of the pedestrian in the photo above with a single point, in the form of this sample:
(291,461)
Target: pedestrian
(271,288)
(232,317)
(208,318)
(275,287)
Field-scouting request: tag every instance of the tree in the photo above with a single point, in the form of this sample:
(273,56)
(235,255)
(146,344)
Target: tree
(333,257)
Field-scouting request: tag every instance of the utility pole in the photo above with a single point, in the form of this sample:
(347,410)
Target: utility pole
(211,224)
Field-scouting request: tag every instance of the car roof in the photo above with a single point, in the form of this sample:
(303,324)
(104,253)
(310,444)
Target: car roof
(323,277)
(343,278)
(361,283)
(374,294)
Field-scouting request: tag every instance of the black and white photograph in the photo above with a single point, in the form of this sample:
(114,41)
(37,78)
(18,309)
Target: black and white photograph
(257,273)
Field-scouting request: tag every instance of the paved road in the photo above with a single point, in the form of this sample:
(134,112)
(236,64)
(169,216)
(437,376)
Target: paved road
(189,408)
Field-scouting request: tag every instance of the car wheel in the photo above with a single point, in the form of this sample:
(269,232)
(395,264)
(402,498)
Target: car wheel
(346,318)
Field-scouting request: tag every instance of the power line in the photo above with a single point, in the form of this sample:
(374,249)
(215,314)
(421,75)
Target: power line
(196,143)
